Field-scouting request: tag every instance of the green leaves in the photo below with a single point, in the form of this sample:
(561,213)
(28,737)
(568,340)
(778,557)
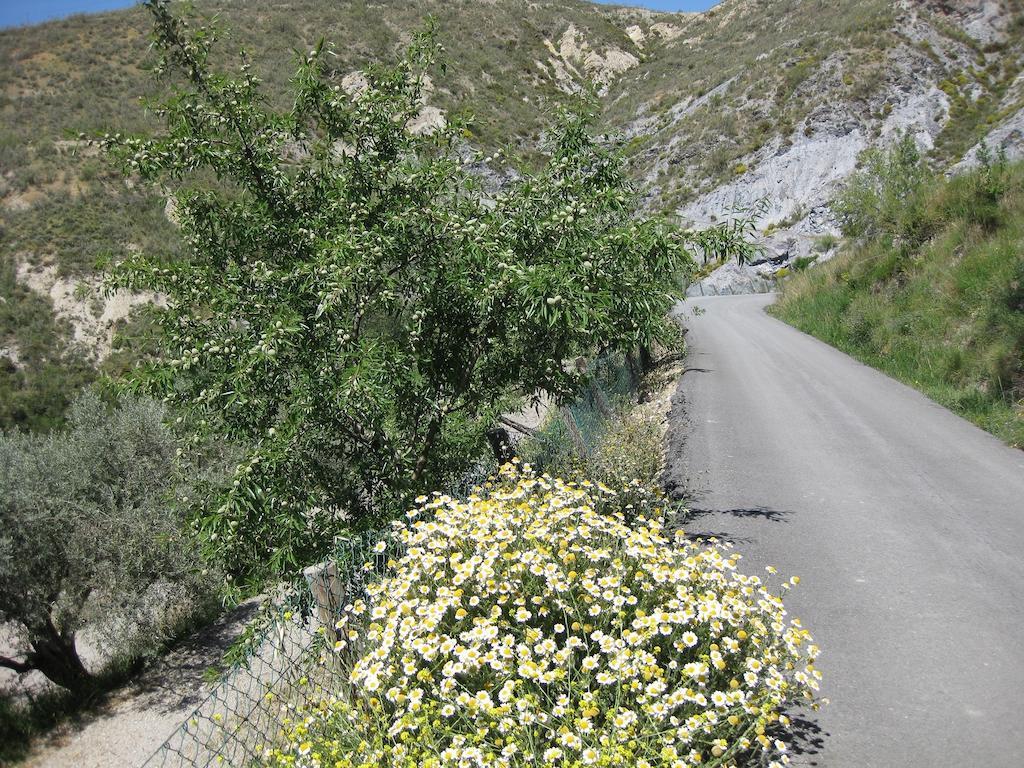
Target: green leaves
(352,309)
(883,200)
(89,525)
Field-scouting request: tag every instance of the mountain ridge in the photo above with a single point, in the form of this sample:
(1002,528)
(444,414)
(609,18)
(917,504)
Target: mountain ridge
(751,100)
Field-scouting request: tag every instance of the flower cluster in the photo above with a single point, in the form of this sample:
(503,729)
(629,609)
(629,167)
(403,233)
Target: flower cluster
(530,625)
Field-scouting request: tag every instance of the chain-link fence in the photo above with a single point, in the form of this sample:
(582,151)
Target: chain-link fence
(287,662)
(574,430)
(244,711)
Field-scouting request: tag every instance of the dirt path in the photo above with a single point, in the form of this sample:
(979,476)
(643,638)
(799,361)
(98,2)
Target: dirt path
(126,729)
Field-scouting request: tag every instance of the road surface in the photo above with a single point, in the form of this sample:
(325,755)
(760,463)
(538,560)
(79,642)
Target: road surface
(904,522)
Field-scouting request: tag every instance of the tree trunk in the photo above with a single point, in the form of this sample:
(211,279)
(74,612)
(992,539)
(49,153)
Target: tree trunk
(522,428)
(646,358)
(20,667)
(55,655)
(433,430)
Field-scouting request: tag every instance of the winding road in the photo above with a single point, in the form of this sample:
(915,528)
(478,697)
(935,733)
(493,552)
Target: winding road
(904,522)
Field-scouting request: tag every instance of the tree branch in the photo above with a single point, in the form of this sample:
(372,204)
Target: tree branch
(21,667)
(530,431)
(195,71)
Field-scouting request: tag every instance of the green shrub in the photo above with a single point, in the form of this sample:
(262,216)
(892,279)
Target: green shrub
(859,327)
(357,319)
(630,450)
(976,198)
(91,537)
(532,626)
(884,198)
(826,243)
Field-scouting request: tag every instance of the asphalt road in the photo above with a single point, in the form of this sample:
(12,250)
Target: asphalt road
(904,522)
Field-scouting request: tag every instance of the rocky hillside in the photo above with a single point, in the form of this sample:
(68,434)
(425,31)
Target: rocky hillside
(775,101)
(755,99)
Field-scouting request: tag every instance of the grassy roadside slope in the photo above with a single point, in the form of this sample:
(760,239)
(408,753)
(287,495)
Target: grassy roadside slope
(941,307)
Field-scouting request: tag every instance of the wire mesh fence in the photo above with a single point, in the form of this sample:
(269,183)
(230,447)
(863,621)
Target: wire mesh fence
(288,664)
(574,431)
(243,713)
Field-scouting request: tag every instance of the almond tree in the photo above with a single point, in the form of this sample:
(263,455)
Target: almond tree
(350,307)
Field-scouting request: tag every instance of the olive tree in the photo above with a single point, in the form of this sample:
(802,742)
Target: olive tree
(90,536)
(351,308)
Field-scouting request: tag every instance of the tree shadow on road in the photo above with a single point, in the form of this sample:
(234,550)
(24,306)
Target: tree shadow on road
(763,513)
(804,737)
(688,517)
(720,536)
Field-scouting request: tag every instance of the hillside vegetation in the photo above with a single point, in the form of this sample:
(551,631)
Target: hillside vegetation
(752,98)
(349,314)
(932,291)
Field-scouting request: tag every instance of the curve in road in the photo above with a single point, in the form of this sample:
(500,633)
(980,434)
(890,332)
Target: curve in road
(905,522)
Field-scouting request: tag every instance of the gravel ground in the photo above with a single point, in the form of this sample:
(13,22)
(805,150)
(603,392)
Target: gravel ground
(135,720)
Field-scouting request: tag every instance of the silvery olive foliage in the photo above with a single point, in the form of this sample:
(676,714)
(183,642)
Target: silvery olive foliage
(90,538)
(351,308)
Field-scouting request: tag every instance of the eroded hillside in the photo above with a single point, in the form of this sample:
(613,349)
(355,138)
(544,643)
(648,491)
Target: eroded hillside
(756,99)
(776,100)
